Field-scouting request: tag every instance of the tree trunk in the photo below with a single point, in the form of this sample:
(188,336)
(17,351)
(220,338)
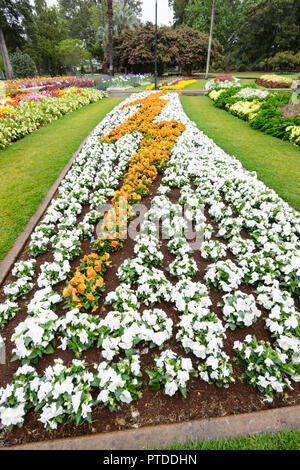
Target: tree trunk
(6,62)
(110,36)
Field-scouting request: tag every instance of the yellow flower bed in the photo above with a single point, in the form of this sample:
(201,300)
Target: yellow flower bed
(294,134)
(276,78)
(214,95)
(245,109)
(179,86)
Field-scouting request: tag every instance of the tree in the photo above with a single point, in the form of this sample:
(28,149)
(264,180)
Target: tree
(228,15)
(48,30)
(268,27)
(110,36)
(125,17)
(185,47)
(22,64)
(179,7)
(12,12)
(73,53)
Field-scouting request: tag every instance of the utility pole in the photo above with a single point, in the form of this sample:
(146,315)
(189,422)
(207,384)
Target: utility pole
(110,36)
(155,71)
(210,37)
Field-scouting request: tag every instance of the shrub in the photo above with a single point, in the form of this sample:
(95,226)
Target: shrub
(23,65)
(242,68)
(286,60)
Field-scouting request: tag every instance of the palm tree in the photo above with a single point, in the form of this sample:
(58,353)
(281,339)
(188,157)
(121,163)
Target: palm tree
(110,15)
(124,18)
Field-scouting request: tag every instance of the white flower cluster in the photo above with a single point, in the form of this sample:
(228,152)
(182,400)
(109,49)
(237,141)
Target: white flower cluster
(17,289)
(224,275)
(239,309)
(24,268)
(250,93)
(264,367)
(8,311)
(213,250)
(183,267)
(212,84)
(33,336)
(78,331)
(171,372)
(148,251)
(283,320)
(118,383)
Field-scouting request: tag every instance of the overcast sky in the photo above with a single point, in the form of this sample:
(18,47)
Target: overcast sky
(165,14)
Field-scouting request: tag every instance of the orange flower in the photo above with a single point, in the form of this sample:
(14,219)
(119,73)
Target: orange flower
(114,244)
(81,288)
(91,273)
(90,297)
(99,282)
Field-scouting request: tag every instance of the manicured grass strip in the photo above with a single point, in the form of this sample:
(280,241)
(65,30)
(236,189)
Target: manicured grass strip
(276,162)
(29,167)
(284,440)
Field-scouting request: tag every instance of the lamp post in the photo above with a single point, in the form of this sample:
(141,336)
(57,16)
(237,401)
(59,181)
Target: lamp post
(155,69)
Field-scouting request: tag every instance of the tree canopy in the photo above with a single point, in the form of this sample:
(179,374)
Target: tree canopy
(185,47)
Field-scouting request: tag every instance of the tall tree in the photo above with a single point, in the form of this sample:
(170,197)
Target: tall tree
(228,15)
(48,30)
(179,7)
(12,13)
(185,47)
(110,36)
(268,27)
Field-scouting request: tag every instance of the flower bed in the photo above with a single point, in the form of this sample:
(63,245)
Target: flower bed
(10,86)
(274,81)
(123,82)
(222,81)
(270,112)
(155,329)
(23,113)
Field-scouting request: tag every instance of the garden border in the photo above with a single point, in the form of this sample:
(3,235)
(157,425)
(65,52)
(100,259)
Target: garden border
(161,436)
(10,258)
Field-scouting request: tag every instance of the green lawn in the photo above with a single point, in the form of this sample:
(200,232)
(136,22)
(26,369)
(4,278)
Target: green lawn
(29,167)
(284,440)
(277,163)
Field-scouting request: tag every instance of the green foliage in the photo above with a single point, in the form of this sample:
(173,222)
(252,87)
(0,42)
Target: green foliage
(286,60)
(46,32)
(22,64)
(268,27)
(13,13)
(179,8)
(269,119)
(229,13)
(72,52)
(226,97)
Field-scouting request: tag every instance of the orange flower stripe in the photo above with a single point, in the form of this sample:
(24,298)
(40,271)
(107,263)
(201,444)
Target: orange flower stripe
(156,146)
